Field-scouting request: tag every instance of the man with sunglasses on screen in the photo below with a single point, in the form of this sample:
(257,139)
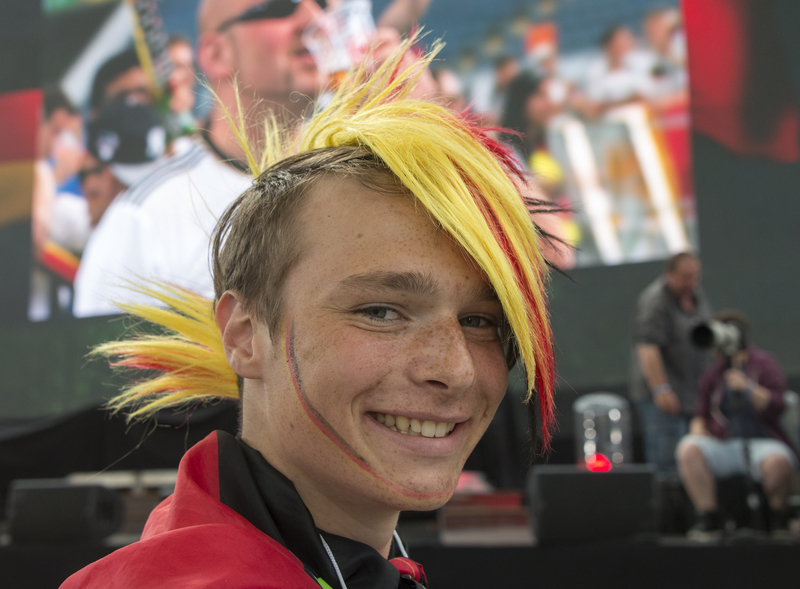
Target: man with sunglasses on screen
(162,231)
(258,44)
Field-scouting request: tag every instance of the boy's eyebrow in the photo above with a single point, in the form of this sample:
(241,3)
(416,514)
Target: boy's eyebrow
(417,283)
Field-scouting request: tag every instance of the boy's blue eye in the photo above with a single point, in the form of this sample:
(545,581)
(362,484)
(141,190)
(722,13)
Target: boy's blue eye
(475,321)
(380,313)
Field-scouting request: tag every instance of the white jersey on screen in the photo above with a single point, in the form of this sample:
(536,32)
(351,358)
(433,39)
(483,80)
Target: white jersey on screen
(158,229)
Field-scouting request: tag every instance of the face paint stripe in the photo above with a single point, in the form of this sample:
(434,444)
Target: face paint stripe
(316,416)
(313,416)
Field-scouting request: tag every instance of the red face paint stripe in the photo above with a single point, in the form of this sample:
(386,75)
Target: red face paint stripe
(313,416)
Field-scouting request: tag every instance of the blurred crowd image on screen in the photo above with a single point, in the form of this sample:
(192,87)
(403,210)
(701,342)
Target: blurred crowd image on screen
(183,79)
(605,133)
(121,77)
(59,216)
(157,227)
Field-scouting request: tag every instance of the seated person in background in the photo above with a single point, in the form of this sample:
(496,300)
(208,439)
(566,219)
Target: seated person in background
(372,289)
(739,398)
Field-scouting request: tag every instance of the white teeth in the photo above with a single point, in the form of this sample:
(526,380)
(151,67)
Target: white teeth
(413,427)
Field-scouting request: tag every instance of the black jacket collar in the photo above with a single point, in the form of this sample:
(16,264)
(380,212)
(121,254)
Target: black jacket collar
(249,485)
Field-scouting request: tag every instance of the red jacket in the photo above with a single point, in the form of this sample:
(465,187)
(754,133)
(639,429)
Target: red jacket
(193,540)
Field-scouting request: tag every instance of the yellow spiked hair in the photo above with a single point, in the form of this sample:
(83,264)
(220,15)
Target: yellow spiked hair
(466,180)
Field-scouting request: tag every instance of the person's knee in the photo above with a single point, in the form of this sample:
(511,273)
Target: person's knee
(776,468)
(688,454)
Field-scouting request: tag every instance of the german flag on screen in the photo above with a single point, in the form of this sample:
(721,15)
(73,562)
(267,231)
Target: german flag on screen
(19,120)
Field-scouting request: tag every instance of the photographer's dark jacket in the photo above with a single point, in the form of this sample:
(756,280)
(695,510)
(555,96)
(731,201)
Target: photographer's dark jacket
(235,522)
(763,369)
(661,321)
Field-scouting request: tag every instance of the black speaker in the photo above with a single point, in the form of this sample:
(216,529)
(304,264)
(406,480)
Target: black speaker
(569,503)
(51,510)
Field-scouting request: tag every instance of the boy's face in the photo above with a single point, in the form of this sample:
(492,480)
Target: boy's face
(383,316)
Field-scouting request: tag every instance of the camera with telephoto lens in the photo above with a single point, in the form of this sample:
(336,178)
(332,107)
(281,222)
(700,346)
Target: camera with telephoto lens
(726,337)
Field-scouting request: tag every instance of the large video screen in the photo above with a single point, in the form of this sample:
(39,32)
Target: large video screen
(591,96)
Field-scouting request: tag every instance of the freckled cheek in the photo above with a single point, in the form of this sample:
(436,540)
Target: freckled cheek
(492,375)
(347,368)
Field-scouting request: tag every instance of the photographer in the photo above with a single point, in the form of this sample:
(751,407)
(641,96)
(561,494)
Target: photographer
(665,364)
(740,398)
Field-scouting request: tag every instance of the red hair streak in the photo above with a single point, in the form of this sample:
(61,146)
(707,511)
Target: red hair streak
(545,362)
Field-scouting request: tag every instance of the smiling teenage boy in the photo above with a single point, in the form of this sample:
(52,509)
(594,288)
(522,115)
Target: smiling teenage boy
(372,290)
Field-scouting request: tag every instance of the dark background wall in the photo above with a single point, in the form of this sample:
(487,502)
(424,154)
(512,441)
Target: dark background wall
(749,212)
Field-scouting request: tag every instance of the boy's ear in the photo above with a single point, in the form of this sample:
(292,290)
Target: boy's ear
(238,330)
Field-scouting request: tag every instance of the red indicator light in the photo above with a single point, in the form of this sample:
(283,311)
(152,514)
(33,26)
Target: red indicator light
(598,463)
